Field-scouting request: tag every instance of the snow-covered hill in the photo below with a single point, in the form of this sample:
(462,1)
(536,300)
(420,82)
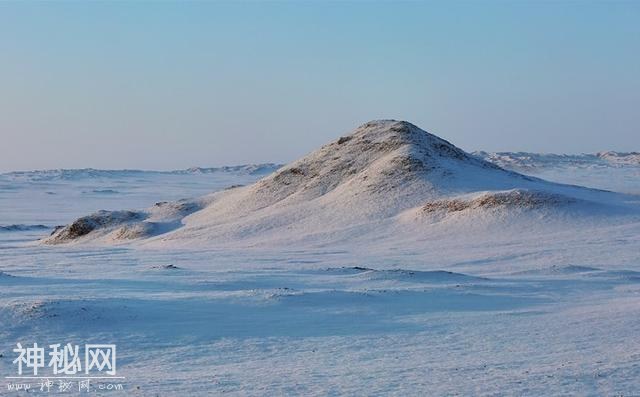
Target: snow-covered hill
(385,175)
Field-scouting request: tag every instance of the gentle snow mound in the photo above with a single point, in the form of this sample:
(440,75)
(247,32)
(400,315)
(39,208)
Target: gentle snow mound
(126,225)
(521,199)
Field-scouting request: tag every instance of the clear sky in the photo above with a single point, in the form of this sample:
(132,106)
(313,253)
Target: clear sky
(173,84)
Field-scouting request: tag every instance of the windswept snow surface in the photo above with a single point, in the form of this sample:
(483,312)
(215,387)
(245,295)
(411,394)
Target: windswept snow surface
(472,281)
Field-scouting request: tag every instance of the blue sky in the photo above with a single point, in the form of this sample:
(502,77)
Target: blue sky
(173,84)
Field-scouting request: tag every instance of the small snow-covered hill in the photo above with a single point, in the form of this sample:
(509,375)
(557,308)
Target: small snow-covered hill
(386,178)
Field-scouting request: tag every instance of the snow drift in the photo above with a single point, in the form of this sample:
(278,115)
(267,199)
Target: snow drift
(385,175)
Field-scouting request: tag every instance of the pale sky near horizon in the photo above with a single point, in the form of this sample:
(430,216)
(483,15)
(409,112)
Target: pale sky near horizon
(167,85)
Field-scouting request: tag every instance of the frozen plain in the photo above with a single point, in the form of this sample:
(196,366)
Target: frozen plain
(536,313)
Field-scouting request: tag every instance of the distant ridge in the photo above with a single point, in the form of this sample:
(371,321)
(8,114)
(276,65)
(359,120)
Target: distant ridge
(524,161)
(80,173)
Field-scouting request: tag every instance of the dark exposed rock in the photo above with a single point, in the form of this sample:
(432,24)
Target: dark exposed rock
(344,139)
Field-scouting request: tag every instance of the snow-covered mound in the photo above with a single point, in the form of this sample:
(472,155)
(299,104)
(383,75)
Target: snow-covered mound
(627,158)
(127,225)
(379,177)
(521,199)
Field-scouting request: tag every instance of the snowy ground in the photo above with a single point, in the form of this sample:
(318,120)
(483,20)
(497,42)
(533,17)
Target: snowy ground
(536,314)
